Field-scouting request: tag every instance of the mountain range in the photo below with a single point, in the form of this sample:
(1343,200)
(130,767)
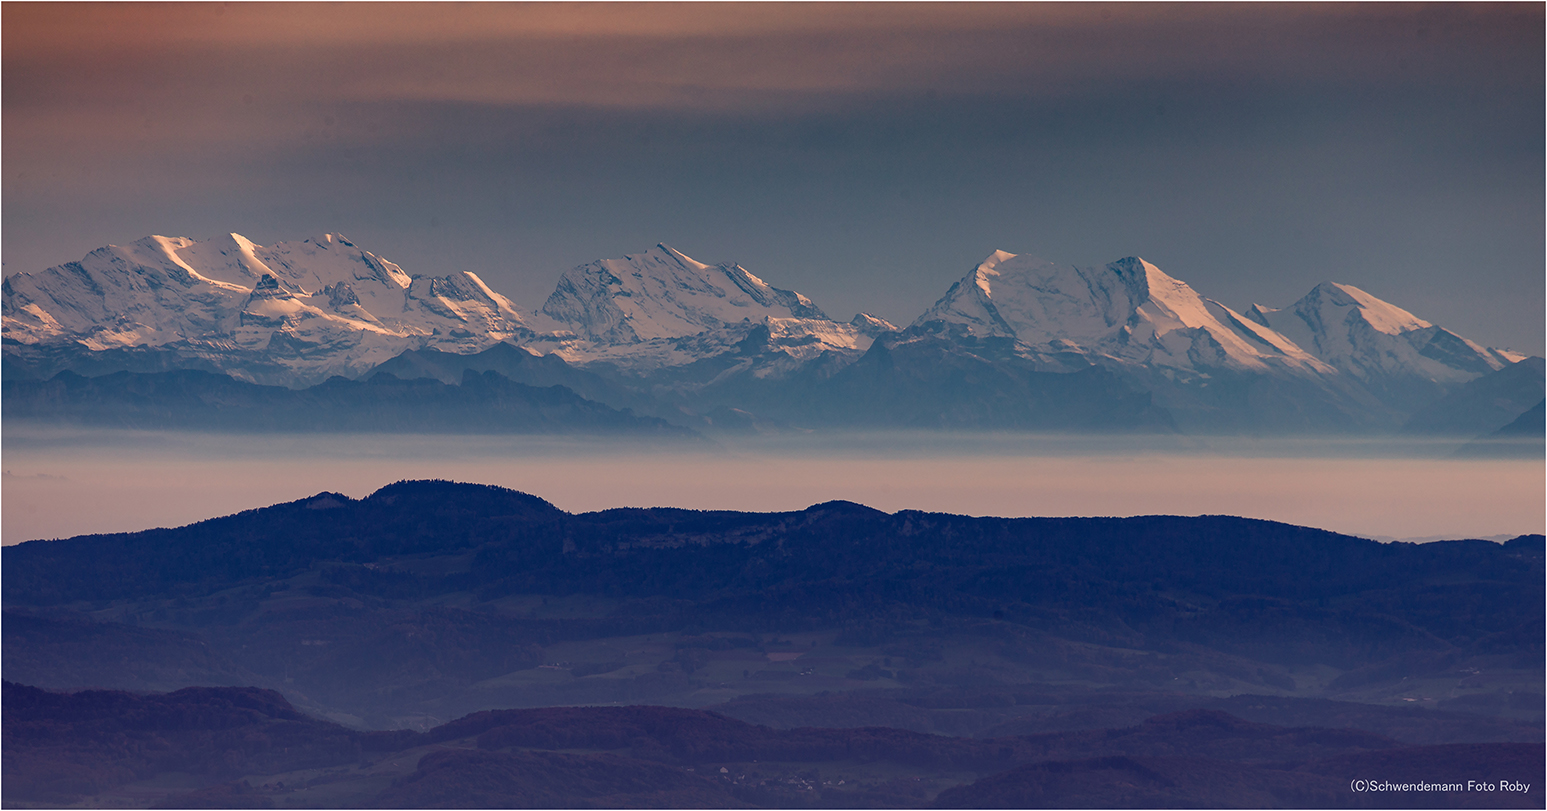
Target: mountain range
(1016,343)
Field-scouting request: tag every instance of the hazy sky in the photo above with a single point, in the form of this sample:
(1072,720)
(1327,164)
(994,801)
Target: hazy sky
(866,155)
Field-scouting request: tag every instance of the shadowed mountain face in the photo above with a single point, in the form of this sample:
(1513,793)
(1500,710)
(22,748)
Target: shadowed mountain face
(512,362)
(1528,424)
(430,600)
(923,381)
(1486,404)
(249,748)
(1522,438)
(482,403)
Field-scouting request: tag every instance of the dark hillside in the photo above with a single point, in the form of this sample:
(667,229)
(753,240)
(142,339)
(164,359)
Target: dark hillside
(270,542)
(480,402)
(59,748)
(1258,588)
(429,600)
(246,747)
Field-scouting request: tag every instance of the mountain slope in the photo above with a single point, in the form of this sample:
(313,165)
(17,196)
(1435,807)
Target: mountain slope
(916,380)
(485,402)
(309,309)
(1128,311)
(1522,438)
(516,363)
(1399,357)
(664,293)
(1208,368)
(669,336)
(1528,424)
(699,335)
(1485,404)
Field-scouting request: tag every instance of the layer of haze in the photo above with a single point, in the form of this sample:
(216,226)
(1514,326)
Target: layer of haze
(864,154)
(59,484)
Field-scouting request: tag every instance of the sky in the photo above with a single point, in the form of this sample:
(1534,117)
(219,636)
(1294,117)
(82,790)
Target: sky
(867,155)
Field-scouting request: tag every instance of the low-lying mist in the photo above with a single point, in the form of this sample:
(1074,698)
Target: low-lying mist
(60,483)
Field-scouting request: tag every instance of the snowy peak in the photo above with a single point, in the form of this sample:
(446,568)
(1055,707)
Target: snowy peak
(141,294)
(1344,298)
(1258,314)
(303,267)
(771,297)
(1379,342)
(984,274)
(664,293)
(466,306)
(871,325)
(230,259)
(338,308)
(297,312)
(1128,311)
(972,302)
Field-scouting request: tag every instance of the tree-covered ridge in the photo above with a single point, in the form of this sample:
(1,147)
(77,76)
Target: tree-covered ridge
(246,747)
(1207,578)
(429,600)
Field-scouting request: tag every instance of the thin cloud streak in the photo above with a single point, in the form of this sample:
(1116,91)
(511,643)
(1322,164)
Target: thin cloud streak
(709,56)
(95,27)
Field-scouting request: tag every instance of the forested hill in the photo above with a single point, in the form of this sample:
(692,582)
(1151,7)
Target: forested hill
(249,748)
(839,564)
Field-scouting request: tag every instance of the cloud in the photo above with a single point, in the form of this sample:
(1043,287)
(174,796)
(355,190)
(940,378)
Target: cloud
(88,84)
(196,58)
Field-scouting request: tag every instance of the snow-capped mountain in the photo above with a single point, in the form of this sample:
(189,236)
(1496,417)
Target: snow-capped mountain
(1128,312)
(662,309)
(1017,342)
(871,325)
(663,293)
(309,309)
(1388,349)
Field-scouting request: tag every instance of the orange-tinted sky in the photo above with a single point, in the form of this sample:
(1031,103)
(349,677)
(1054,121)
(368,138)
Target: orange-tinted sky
(865,154)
